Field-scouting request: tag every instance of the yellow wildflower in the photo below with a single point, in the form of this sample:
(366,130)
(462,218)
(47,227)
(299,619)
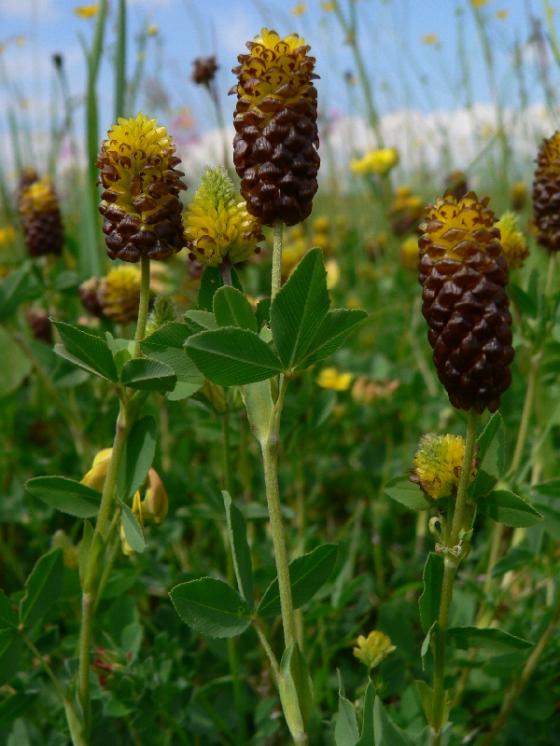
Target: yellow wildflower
(410,255)
(87,11)
(119,294)
(299,9)
(431,40)
(329,6)
(7,235)
(501,15)
(478,3)
(438,464)
(334,379)
(379,161)
(217,223)
(152,30)
(512,239)
(333,273)
(373,649)
(518,195)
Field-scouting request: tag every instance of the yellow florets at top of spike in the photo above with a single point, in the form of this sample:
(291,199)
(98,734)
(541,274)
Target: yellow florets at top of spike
(119,294)
(39,197)
(438,464)
(453,228)
(217,223)
(137,151)
(275,70)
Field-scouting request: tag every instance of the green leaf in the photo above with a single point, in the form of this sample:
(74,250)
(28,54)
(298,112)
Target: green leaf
(491,638)
(367,736)
(231,356)
(295,689)
(210,281)
(429,600)
(336,327)
(406,493)
(346,731)
(200,320)
(21,285)
(491,456)
(240,549)
(548,489)
(387,733)
(132,530)
(523,300)
(8,617)
(138,456)
(231,308)
(307,574)
(298,310)
(42,588)
(66,495)
(426,694)
(86,351)
(166,345)
(506,507)
(146,374)
(16,366)
(10,654)
(211,607)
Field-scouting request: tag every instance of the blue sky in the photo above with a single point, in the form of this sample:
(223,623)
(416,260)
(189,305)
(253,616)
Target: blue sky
(406,72)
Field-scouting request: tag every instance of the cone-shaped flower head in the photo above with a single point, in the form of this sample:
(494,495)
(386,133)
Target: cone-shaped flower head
(438,464)
(514,243)
(463,272)
(217,223)
(276,140)
(204,70)
(373,649)
(140,203)
(546,193)
(40,218)
(119,294)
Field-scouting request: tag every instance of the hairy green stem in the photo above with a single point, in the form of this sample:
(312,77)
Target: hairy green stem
(143,306)
(276,279)
(451,563)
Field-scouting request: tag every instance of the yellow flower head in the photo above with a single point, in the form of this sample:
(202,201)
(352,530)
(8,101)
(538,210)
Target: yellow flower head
(87,11)
(321,224)
(334,379)
(373,649)
(38,198)
(438,464)
(379,161)
(518,195)
(152,30)
(299,9)
(119,294)
(409,253)
(501,15)
(333,273)
(454,228)
(478,3)
(430,40)
(217,224)
(512,239)
(141,185)
(328,6)
(95,477)
(293,251)
(7,236)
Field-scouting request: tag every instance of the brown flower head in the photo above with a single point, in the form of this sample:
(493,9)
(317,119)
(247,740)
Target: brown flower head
(546,193)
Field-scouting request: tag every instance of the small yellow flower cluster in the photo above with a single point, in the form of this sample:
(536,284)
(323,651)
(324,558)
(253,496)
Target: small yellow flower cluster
(379,161)
(334,379)
(152,509)
(119,294)
(39,198)
(299,9)
(512,239)
(406,210)
(438,464)
(410,254)
(373,649)
(7,236)
(518,195)
(431,40)
(87,11)
(217,224)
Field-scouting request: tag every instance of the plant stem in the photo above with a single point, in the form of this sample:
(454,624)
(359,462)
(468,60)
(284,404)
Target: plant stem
(515,690)
(526,413)
(451,563)
(269,450)
(120,61)
(105,524)
(144,304)
(267,649)
(276,279)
